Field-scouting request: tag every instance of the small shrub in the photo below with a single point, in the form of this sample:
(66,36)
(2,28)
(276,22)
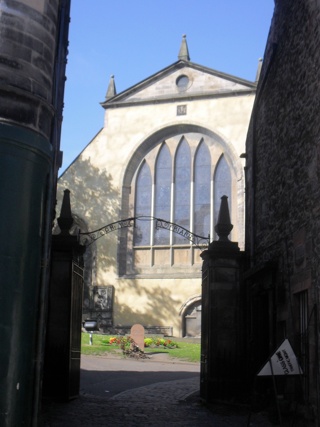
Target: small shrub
(160,342)
(148,342)
(123,342)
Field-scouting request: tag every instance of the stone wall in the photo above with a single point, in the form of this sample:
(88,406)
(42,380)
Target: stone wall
(282,175)
(283,142)
(27,55)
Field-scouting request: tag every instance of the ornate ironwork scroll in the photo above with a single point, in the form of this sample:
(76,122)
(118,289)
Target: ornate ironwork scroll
(197,240)
(192,237)
(106,229)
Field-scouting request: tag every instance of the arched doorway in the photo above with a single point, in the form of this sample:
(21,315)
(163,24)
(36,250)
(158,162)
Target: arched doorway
(191,318)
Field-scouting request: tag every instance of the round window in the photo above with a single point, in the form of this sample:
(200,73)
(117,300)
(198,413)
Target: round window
(182,82)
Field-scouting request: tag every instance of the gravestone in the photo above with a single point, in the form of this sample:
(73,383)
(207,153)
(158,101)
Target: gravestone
(137,334)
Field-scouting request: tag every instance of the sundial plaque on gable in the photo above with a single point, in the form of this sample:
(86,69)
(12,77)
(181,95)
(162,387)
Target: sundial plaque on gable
(137,334)
(181,110)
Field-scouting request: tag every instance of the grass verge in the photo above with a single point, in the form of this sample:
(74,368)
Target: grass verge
(189,352)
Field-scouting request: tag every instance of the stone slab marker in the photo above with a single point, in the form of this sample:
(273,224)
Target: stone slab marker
(137,334)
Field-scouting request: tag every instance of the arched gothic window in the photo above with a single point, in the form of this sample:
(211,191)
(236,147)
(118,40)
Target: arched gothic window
(202,191)
(180,180)
(143,205)
(163,193)
(182,189)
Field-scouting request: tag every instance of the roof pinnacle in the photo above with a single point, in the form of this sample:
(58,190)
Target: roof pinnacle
(111,88)
(259,69)
(184,51)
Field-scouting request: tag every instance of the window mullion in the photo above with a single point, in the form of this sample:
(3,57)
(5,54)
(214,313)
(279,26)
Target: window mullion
(172,211)
(171,220)
(192,206)
(152,223)
(212,219)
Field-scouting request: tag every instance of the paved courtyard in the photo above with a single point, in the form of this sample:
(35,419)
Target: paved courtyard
(142,402)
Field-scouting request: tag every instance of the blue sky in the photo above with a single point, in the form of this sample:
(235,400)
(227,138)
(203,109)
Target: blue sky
(133,39)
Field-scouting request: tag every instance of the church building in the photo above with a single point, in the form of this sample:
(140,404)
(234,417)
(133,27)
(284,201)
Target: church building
(146,192)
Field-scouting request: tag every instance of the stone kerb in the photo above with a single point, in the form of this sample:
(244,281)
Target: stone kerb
(137,334)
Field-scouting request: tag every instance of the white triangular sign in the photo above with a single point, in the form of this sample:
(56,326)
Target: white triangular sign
(283,362)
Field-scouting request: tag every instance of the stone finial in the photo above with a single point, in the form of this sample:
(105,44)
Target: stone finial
(184,51)
(223,226)
(111,92)
(65,219)
(259,69)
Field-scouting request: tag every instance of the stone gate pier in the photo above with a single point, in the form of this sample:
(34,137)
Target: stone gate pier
(223,326)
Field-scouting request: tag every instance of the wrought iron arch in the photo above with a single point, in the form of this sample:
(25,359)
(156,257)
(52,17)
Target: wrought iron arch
(199,241)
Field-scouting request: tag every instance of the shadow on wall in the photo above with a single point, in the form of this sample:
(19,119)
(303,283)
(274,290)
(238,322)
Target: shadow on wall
(148,304)
(94,198)
(94,203)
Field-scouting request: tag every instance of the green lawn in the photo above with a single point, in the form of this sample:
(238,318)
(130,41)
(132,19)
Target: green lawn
(100,344)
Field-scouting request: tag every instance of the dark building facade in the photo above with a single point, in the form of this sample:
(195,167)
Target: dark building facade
(32,74)
(282,202)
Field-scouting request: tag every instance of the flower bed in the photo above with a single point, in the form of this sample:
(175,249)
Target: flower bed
(125,342)
(160,342)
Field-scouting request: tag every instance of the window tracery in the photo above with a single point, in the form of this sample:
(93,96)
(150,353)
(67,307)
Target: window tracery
(179,183)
